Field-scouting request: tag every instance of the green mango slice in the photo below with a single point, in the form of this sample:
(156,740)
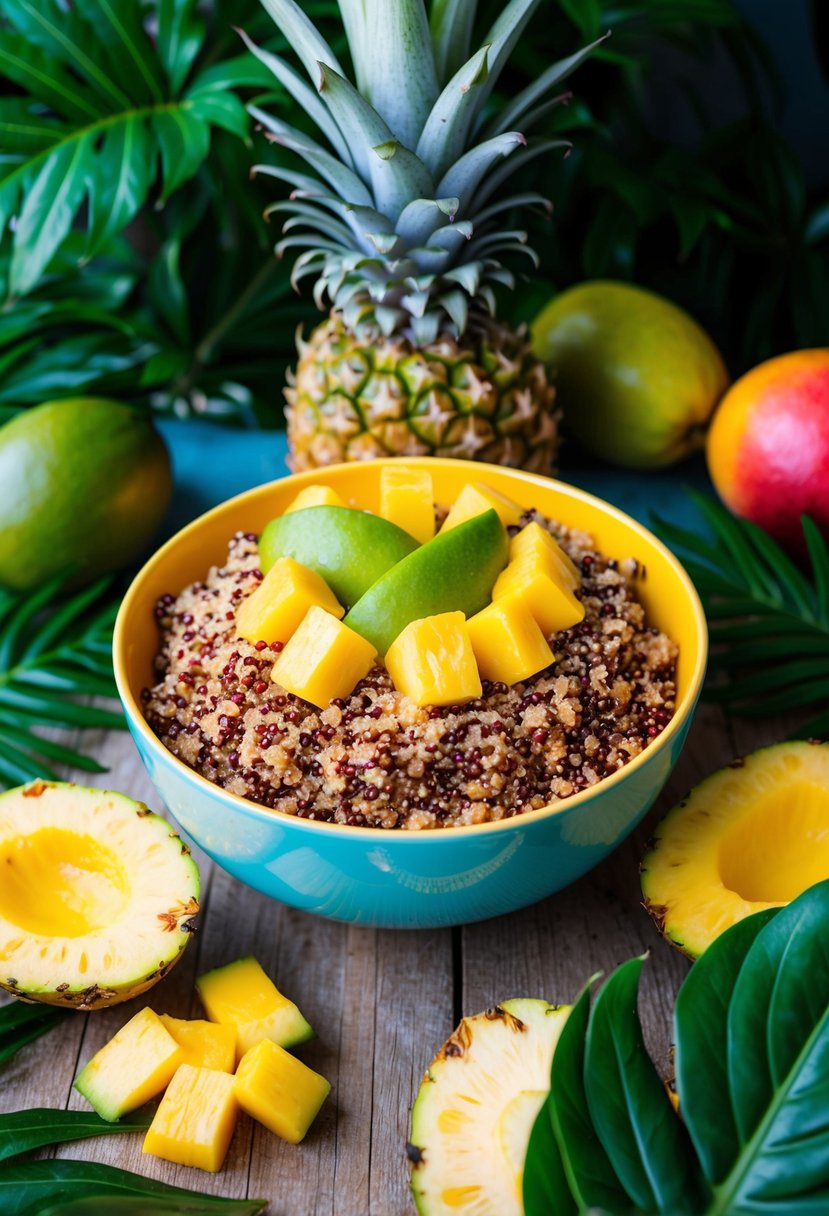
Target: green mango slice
(455,571)
(350,549)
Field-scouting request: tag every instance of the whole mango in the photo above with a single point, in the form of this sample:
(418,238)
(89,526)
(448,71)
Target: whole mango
(768,447)
(636,377)
(84,483)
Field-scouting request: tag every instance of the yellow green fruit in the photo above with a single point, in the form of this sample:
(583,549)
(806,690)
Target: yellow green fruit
(195,1119)
(636,377)
(134,1066)
(277,607)
(507,640)
(547,596)
(279,1091)
(432,661)
(751,836)
(474,499)
(323,660)
(407,498)
(203,1044)
(241,995)
(97,897)
(85,484)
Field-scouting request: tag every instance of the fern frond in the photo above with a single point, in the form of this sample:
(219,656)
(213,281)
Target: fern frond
(54,660)
(768,620)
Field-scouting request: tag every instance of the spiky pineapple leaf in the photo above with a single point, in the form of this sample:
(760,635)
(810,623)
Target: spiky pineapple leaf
(768,619)
(105,118)
(54,663)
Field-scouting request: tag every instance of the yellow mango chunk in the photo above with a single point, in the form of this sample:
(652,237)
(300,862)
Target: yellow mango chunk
(195,1119)
(536,543)
(507,640)
(314,496)
(432,661)
(131,1068)
(474,499)
(323,660)
(274,611)
(203,1044)
(551,603)
(407,498)
(279,1091)
(242,996)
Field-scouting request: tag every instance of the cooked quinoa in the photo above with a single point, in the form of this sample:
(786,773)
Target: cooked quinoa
(375,759)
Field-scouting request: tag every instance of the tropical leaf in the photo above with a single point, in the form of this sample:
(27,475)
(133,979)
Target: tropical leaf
(751,1029)
(105,118)
(768,619)
(54,665)
(21,1023)
(23,1130)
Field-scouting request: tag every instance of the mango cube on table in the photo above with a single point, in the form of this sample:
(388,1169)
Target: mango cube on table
(195,1119)
(274,611)
(279,1091)
(323,660)
(131,1068)
(476,498)
(203,1044)
(536,543)
(432,661)
(407,498)
(314,496)
(507,640)
(240,995)
(550,601)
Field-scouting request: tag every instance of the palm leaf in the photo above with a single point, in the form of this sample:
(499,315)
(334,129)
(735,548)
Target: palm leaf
(105,119)
(768,618)
(54,658)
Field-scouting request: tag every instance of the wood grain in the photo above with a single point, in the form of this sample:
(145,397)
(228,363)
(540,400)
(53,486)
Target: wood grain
(381,1002)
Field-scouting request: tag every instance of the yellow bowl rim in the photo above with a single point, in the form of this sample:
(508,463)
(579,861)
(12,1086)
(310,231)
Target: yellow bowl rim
(565,807)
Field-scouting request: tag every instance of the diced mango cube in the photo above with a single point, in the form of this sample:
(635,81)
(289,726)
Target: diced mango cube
(323,660)
(195,1119)
(407,498)
(274,611)
(280,1091)
(203,1044)
(474,499)
(551,603)
(536,542)
(314,496)
(241,995)
(432,661)
(131,1068)
(507,640)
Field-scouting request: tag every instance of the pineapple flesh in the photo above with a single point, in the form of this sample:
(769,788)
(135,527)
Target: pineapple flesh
(401,224)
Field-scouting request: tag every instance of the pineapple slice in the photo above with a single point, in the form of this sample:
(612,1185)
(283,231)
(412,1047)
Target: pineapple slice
(323,660)
(314,496)
(407,498)
(134,1066)
(432,661)
(507,640)
(279,1091)
(195,1119)
(273,612)
(203,1044)
(241,995)
(553,604)
(474,499)
(536,543)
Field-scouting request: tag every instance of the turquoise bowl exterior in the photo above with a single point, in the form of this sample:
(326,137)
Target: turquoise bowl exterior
(399,879)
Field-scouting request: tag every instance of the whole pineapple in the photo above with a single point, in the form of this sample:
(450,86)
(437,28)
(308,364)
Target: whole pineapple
(399,224)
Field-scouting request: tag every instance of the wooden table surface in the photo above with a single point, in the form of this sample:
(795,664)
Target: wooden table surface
(381,1001)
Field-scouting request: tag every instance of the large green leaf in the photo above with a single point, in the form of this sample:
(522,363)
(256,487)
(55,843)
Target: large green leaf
(103,119)
(645,1142)
(23,1130)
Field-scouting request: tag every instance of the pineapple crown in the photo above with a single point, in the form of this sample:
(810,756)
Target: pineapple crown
(399,220)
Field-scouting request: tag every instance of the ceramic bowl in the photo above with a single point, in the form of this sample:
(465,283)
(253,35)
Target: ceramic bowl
(397,878)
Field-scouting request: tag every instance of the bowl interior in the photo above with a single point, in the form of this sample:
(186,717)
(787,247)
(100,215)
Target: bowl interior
(668,596)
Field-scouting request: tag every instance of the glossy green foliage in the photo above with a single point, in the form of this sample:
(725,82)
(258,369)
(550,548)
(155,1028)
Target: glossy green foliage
(768,619)
(21,1023)
(752,1075)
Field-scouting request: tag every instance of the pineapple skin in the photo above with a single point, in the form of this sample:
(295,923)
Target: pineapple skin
(485,398)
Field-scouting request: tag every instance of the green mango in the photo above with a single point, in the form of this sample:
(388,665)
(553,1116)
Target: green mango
(454,572)
(350,549)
